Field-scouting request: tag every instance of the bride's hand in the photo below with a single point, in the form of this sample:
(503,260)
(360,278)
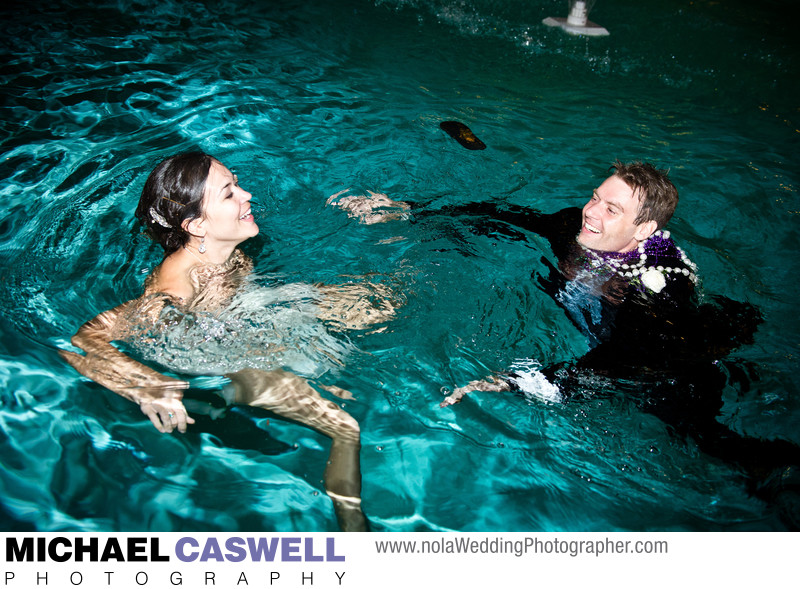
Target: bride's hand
(167,412)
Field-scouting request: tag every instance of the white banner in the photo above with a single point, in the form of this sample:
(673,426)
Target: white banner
(401,560)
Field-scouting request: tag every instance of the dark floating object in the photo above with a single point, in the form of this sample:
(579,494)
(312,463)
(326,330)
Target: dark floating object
(461,133)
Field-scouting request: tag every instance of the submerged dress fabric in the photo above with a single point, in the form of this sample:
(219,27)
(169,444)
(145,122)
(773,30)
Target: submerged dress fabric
(235,323)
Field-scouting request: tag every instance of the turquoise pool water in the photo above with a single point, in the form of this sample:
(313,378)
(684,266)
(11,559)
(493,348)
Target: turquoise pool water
(303,99)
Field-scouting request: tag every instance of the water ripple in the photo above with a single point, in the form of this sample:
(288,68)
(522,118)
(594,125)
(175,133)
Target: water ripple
(306,98)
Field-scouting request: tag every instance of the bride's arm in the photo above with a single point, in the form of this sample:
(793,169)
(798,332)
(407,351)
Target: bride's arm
(159,396)
(357,305)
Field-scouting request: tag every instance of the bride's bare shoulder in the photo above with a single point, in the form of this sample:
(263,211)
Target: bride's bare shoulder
(171,277)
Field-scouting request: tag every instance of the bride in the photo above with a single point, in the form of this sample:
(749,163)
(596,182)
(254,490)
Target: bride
(194,207)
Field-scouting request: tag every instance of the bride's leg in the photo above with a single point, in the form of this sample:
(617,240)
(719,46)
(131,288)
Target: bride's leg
(291,397)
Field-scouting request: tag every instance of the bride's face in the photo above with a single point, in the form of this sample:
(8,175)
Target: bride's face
(226,208)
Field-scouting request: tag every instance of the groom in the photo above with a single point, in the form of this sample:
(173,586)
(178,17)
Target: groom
(631,291)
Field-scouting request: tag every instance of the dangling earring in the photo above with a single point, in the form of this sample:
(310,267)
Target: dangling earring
(202,248)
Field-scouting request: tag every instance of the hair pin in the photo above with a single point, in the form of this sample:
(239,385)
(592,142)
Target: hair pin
(158,218)
(180,204)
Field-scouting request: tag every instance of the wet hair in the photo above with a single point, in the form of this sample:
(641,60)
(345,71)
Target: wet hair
(172,194)
(657,195)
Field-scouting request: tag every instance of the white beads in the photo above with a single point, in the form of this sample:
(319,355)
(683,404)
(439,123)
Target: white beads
(639,269)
